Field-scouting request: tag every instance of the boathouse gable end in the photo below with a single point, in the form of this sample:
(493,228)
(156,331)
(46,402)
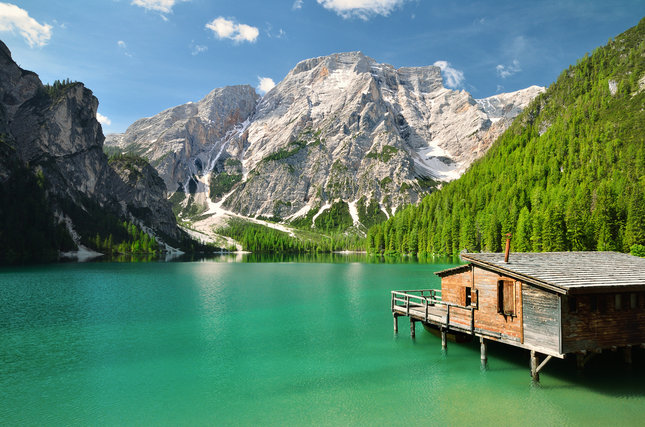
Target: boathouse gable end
(484,288)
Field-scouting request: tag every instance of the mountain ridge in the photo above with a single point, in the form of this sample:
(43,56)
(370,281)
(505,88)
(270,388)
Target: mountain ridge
(336,129)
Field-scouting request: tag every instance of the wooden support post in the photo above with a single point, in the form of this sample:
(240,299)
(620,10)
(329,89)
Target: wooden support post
(543,364)
(396,324)
(580,361)
(583,357)
(444,339)
(535,374)
(482,350)
(411,327)
(627,352)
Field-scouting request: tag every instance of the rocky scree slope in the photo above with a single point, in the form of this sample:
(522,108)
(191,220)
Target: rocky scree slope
(52,133)
(340,129)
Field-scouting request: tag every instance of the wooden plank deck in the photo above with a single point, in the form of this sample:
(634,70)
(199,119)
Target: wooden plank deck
(426,306)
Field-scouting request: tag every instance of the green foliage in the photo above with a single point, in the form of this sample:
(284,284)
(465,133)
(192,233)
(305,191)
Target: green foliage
(385,181)
(105,232)
(111,151)
(336,218)
(192,209)
(369,214)
(426,183)
(638,250)
(222,183)
(29,232)
(58,89)
(176,199)
(133,163)
(386,153)
(129,240)
(261,239)
(285,153)
(569,174)
(130,160)
(306,221)
(277,208)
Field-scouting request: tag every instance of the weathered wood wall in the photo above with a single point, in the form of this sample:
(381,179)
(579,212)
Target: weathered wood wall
(598,324)
(541,318)
(453,289)
(487,316)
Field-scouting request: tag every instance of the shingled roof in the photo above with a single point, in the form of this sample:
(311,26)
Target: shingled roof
(568,272)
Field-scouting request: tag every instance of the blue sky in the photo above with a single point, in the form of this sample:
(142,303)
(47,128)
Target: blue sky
(142,56)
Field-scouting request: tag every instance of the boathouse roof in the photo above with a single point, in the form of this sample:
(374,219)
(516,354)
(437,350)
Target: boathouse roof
(566,272)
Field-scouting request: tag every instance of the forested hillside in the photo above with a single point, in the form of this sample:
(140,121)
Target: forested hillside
(569,174)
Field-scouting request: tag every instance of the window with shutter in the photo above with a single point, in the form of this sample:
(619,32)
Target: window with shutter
(506,297)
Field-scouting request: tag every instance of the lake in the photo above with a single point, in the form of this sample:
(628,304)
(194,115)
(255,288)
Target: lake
(272,343)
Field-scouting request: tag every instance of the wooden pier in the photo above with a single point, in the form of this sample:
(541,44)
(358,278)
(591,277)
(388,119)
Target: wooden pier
(426,306)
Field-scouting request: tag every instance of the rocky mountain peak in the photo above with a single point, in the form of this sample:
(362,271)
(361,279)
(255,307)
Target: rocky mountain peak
(337,129)
(349,61)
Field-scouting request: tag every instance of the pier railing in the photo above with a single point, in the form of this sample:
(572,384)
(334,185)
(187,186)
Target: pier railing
(428,304)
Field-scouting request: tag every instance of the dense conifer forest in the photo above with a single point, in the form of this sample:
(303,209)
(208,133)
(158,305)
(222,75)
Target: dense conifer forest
(262,239)
(569,174)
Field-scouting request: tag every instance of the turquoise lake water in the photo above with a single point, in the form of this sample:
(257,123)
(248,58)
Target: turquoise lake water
(233,343)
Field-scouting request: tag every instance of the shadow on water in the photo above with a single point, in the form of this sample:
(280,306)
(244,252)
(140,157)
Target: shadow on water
(605,373)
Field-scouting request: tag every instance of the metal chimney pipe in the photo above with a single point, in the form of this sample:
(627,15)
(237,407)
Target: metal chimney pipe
(508,246)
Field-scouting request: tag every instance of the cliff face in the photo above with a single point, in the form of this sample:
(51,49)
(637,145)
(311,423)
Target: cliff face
(184,142)
(53,132)
(336,129)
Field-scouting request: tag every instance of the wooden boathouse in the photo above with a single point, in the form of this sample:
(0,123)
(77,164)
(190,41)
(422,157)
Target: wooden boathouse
(553,304)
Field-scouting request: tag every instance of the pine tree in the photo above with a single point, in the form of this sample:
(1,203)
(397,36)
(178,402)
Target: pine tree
(635,226)
(522,240)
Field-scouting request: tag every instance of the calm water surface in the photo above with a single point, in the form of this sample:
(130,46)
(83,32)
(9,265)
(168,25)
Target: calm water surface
(233,343)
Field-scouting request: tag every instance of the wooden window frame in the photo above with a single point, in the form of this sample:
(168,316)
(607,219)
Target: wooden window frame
(506,297)
(468,297)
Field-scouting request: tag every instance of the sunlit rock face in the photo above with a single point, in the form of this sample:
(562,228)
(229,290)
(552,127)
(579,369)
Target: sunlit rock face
(336,128)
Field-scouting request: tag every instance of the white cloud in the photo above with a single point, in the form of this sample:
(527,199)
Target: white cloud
(13,18)
(104,120)
(196,49)
(265,84)
(297,5)
(162,6)
(229,29)
(280,34)
(508,70)
(124,47)
(454,78)
(363,9)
